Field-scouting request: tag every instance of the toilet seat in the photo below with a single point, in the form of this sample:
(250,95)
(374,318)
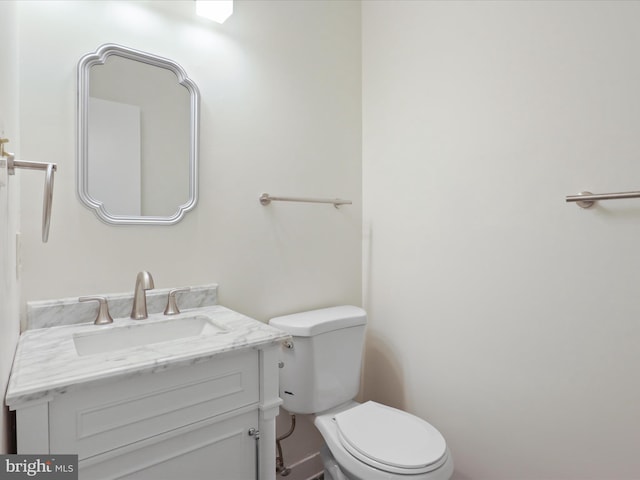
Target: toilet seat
(390,440)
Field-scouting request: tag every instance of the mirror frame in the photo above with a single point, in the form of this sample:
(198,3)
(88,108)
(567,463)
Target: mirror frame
(84,68)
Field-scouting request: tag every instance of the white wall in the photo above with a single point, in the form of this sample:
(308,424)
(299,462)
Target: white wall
(506,317)
(9,206)
(280,113)
(498,312)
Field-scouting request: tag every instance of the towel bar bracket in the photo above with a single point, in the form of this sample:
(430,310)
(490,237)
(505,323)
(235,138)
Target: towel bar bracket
(585,203)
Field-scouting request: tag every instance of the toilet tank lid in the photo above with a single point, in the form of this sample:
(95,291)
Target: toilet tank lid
(315,322)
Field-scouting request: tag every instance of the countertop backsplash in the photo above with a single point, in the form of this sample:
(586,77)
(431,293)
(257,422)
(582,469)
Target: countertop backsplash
(69,311)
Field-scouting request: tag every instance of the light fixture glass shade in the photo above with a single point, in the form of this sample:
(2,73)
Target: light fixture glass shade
(216,10)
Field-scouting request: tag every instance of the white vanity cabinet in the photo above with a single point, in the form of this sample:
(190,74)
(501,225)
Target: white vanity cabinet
(213,418)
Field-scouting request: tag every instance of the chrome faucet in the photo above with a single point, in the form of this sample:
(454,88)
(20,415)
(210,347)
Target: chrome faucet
(144,281)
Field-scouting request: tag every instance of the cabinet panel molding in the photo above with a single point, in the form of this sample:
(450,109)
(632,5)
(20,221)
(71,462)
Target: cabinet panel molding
(223,447)
(95,420)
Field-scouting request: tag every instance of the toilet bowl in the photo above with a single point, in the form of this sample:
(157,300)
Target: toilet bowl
(320,375)
(371,441)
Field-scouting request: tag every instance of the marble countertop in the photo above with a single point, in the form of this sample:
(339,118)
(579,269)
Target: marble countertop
(46,362)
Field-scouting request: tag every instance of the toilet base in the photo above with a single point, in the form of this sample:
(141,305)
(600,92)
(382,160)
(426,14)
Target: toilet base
(331,468)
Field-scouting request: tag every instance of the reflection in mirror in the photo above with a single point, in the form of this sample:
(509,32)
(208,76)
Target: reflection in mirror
(137,137)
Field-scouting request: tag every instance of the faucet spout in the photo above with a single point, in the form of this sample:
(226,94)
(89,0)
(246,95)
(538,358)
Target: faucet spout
(144,281)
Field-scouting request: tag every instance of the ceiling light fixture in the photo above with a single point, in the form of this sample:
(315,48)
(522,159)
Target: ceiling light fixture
(216,10)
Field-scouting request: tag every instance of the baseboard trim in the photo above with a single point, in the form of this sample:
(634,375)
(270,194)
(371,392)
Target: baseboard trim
(307,468)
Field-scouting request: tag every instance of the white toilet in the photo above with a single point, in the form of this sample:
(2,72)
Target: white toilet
(369,441)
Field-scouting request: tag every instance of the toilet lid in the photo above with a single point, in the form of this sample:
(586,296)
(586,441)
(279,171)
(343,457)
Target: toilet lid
(390,439)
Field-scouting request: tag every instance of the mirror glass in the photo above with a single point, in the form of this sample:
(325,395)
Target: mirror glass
(137,137)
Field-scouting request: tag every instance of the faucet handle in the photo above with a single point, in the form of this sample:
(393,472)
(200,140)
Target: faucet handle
(172,305)
(103,317)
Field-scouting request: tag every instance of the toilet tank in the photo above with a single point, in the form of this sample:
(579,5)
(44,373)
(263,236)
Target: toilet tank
(322,368)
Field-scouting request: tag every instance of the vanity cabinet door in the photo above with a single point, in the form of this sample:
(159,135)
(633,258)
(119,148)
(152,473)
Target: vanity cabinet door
(209,450)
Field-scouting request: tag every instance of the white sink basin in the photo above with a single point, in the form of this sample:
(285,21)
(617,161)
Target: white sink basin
(114,338)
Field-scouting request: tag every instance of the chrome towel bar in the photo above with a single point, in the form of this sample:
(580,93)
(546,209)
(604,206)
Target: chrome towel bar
(588,199)
(266,199)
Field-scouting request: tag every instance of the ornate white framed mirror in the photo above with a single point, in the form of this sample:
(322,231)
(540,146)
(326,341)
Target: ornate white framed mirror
(138,129)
